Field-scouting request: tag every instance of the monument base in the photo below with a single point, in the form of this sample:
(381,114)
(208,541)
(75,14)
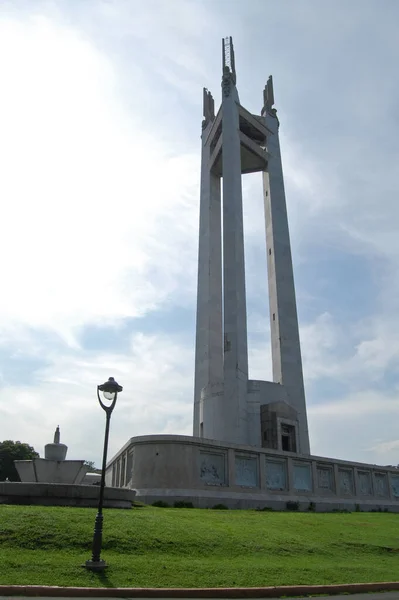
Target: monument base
(176,468)
(55,494)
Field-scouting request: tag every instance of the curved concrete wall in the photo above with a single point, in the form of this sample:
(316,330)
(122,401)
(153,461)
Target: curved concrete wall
(207,472)
(55,494)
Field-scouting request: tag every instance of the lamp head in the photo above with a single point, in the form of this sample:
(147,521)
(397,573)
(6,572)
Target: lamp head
(110,388)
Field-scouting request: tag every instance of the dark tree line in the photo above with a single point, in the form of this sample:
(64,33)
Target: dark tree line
(10,451)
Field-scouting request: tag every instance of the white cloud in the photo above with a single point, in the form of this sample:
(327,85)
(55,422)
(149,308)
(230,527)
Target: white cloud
(90,196)
(158,386)
(362,402)
(319,341)
(360,426)
(384,447)
(100,203)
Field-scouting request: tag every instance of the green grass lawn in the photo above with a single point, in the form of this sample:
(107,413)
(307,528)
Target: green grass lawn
(166,547)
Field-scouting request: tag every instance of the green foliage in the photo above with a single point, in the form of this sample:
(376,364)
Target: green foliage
(91,466)
(357,507)
(196,548)
(183,504)
(160,504)
(10,451)
(220,507)
(292,505)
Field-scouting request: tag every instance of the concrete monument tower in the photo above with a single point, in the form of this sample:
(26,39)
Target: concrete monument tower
(250,447)
(227,405)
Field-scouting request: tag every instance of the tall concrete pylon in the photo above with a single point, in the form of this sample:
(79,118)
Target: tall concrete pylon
(227,405)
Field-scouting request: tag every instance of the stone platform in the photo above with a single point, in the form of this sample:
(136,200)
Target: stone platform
(56,494)
(207,472)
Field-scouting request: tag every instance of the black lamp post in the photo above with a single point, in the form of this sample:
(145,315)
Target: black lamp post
(110,391)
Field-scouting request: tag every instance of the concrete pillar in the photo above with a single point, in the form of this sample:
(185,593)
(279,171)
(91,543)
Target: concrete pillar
(235,314)
(262,471)
(372,483)
(125,469)
(118,473)
(231,467)
(356,486)
(290,475)
(314,476)
(391,496)
(209,337)
(337,490)
(286,350)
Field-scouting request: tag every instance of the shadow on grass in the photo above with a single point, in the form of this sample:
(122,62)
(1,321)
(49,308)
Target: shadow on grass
(101,577)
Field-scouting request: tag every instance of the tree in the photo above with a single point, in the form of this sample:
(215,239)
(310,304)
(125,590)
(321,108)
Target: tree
(91,466)
(10,451)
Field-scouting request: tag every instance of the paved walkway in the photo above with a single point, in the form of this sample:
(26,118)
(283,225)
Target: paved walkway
(377,596)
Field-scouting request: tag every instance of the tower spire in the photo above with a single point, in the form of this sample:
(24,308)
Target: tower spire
(57,435)
(268,99)
(228,58)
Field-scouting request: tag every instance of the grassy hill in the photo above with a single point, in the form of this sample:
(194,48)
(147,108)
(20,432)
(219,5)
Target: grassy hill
(158,547)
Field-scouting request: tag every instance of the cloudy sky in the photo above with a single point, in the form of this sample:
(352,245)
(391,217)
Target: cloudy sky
(100,121)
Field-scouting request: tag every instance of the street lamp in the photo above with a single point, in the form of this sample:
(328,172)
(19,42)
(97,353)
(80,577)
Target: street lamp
(110,391)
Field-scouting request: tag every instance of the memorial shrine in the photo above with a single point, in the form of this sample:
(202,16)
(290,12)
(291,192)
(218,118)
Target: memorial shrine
(250,446)
(56,481)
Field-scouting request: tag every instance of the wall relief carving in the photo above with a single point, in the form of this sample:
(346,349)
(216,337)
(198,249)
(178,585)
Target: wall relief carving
(246,471)
(212,469)
(395,485)
(364,478)
(381,484)
(345,478)
(325,478)
(276,475)
(302,478)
